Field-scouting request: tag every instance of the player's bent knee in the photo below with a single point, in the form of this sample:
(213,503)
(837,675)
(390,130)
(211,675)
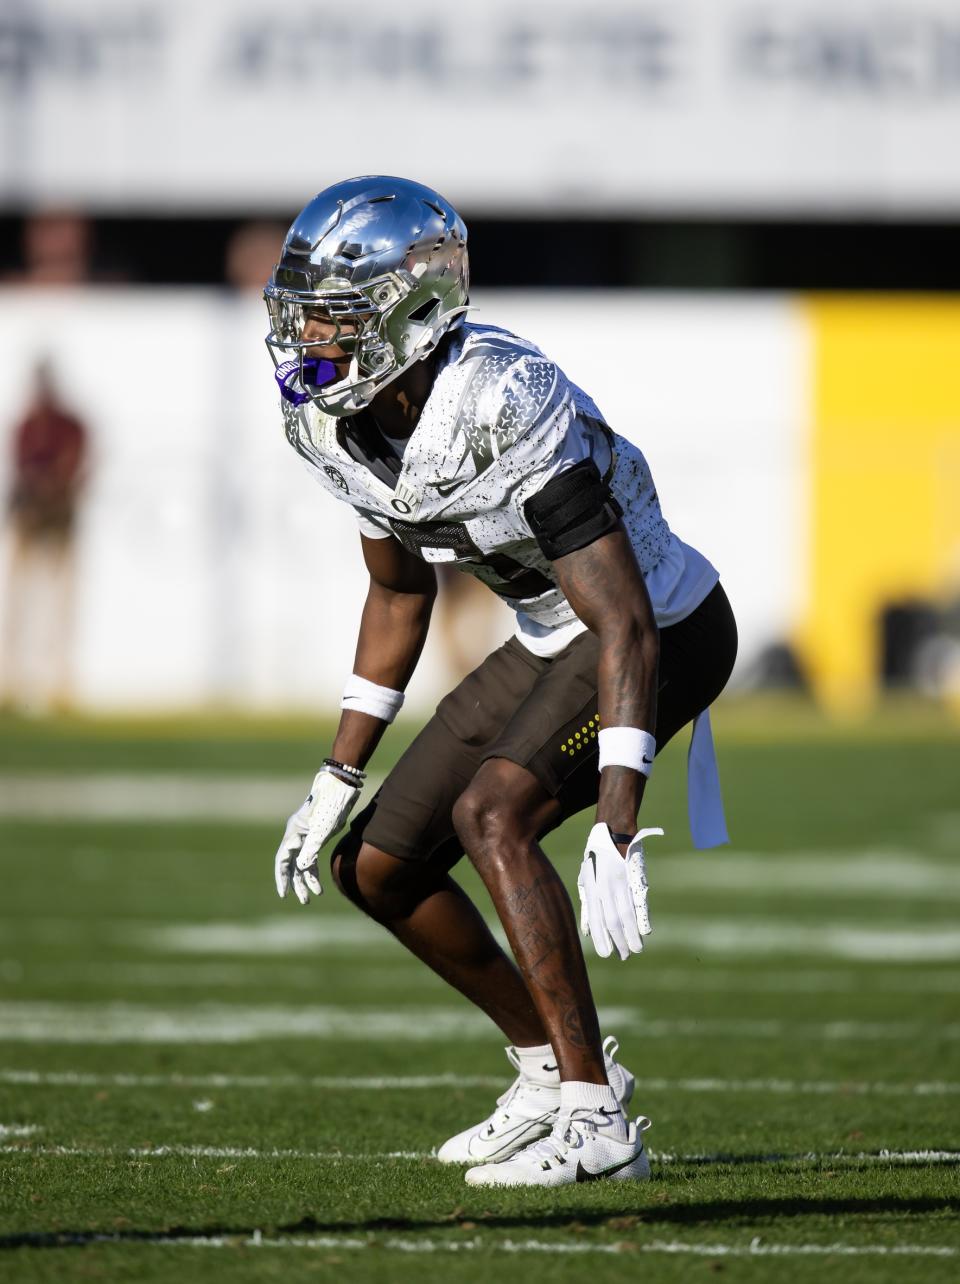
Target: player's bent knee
(383,886)
(504,808)
(472,818)
(484,821)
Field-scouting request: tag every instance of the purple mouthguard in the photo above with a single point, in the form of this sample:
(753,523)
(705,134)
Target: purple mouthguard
(316,372)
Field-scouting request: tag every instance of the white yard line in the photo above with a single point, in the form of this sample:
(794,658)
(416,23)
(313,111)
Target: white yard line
(340,1083)
(750,980)
(150,796)
(755,1247)
(865,873)
(324,932)
(214,1023)
(801,1087)
(935,1157)
(378,974)
(81,1079)
(104,1023)
(892,1157)
(18,1130)
(213,1152)
(321,932)
(281,934)
(745,936)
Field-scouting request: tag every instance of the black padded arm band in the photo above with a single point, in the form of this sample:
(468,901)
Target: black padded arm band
(572,511)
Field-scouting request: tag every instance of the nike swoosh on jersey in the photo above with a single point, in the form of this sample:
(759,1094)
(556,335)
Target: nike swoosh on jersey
(444,489)
(584,1174)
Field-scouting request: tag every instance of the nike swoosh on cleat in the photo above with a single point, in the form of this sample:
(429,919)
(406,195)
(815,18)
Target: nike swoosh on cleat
(549,1068)
(511,1134)
(584,1174)
(593,862)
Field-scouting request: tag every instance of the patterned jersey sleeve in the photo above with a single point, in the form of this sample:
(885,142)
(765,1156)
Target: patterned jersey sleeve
(551,432)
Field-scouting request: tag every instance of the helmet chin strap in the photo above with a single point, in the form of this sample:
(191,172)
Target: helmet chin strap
(347,402)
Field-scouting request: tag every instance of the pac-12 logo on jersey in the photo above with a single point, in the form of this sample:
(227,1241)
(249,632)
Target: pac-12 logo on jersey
(337,477)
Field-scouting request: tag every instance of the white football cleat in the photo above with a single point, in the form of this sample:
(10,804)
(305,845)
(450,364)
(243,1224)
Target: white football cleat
(580,1148)
(526,1112)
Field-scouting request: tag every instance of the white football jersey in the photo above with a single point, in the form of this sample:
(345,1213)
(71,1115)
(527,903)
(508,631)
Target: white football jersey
(501,420)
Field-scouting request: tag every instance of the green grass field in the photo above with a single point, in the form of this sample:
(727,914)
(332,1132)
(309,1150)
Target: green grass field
(198,1081)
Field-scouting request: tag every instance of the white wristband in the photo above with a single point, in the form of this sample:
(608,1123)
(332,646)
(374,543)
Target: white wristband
(363,696)
(626,747)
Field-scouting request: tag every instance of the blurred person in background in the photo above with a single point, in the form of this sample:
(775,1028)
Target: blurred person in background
(466,619)
(59,248)
(251,254)
(50,448)
(56,250)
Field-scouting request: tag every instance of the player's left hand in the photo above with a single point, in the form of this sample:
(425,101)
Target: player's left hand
(613,893)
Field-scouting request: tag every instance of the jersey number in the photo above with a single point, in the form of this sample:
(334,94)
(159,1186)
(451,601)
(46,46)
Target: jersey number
(506,577)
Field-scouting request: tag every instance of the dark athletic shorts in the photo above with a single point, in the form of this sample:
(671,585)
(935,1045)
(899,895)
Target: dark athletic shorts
(542,715)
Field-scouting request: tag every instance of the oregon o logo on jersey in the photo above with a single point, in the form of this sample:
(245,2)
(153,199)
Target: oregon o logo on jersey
(337,477)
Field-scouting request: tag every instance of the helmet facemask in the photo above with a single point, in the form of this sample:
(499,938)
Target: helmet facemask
(381,337)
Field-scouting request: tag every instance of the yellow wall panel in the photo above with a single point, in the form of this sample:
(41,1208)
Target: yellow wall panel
(885,472)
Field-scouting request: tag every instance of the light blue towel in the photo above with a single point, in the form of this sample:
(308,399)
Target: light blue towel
(704,800)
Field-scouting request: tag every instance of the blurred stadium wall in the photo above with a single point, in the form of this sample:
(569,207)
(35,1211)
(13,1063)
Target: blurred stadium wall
(810,446)
(808,442)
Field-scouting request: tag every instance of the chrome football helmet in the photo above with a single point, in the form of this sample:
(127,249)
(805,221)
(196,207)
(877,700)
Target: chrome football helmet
(383,259)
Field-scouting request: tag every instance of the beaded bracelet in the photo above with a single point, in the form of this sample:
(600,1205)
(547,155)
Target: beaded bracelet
(344,767)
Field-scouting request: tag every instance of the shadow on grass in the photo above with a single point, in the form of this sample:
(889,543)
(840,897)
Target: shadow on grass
(730,1212)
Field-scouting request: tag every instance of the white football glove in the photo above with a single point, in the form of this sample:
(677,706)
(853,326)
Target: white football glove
(613,893)
(324,814)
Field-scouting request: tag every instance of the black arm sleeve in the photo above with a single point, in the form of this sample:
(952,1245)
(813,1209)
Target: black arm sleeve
(572,510)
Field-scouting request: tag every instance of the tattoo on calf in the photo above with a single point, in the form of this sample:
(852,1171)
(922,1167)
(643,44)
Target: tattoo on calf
(535,914)
(527,900)
(535,947)
(573,1028)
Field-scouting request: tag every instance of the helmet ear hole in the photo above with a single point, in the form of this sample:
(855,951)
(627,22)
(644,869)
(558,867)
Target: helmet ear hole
(424,311)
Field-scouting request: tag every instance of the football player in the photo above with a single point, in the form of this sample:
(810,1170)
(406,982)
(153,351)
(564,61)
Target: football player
(462,443)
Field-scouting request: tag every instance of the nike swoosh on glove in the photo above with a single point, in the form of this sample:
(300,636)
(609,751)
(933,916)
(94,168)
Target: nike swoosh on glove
(613,894)
(324,814)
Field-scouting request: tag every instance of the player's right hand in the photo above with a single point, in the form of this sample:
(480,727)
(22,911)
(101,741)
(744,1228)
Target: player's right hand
(324,814)
(613,893)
